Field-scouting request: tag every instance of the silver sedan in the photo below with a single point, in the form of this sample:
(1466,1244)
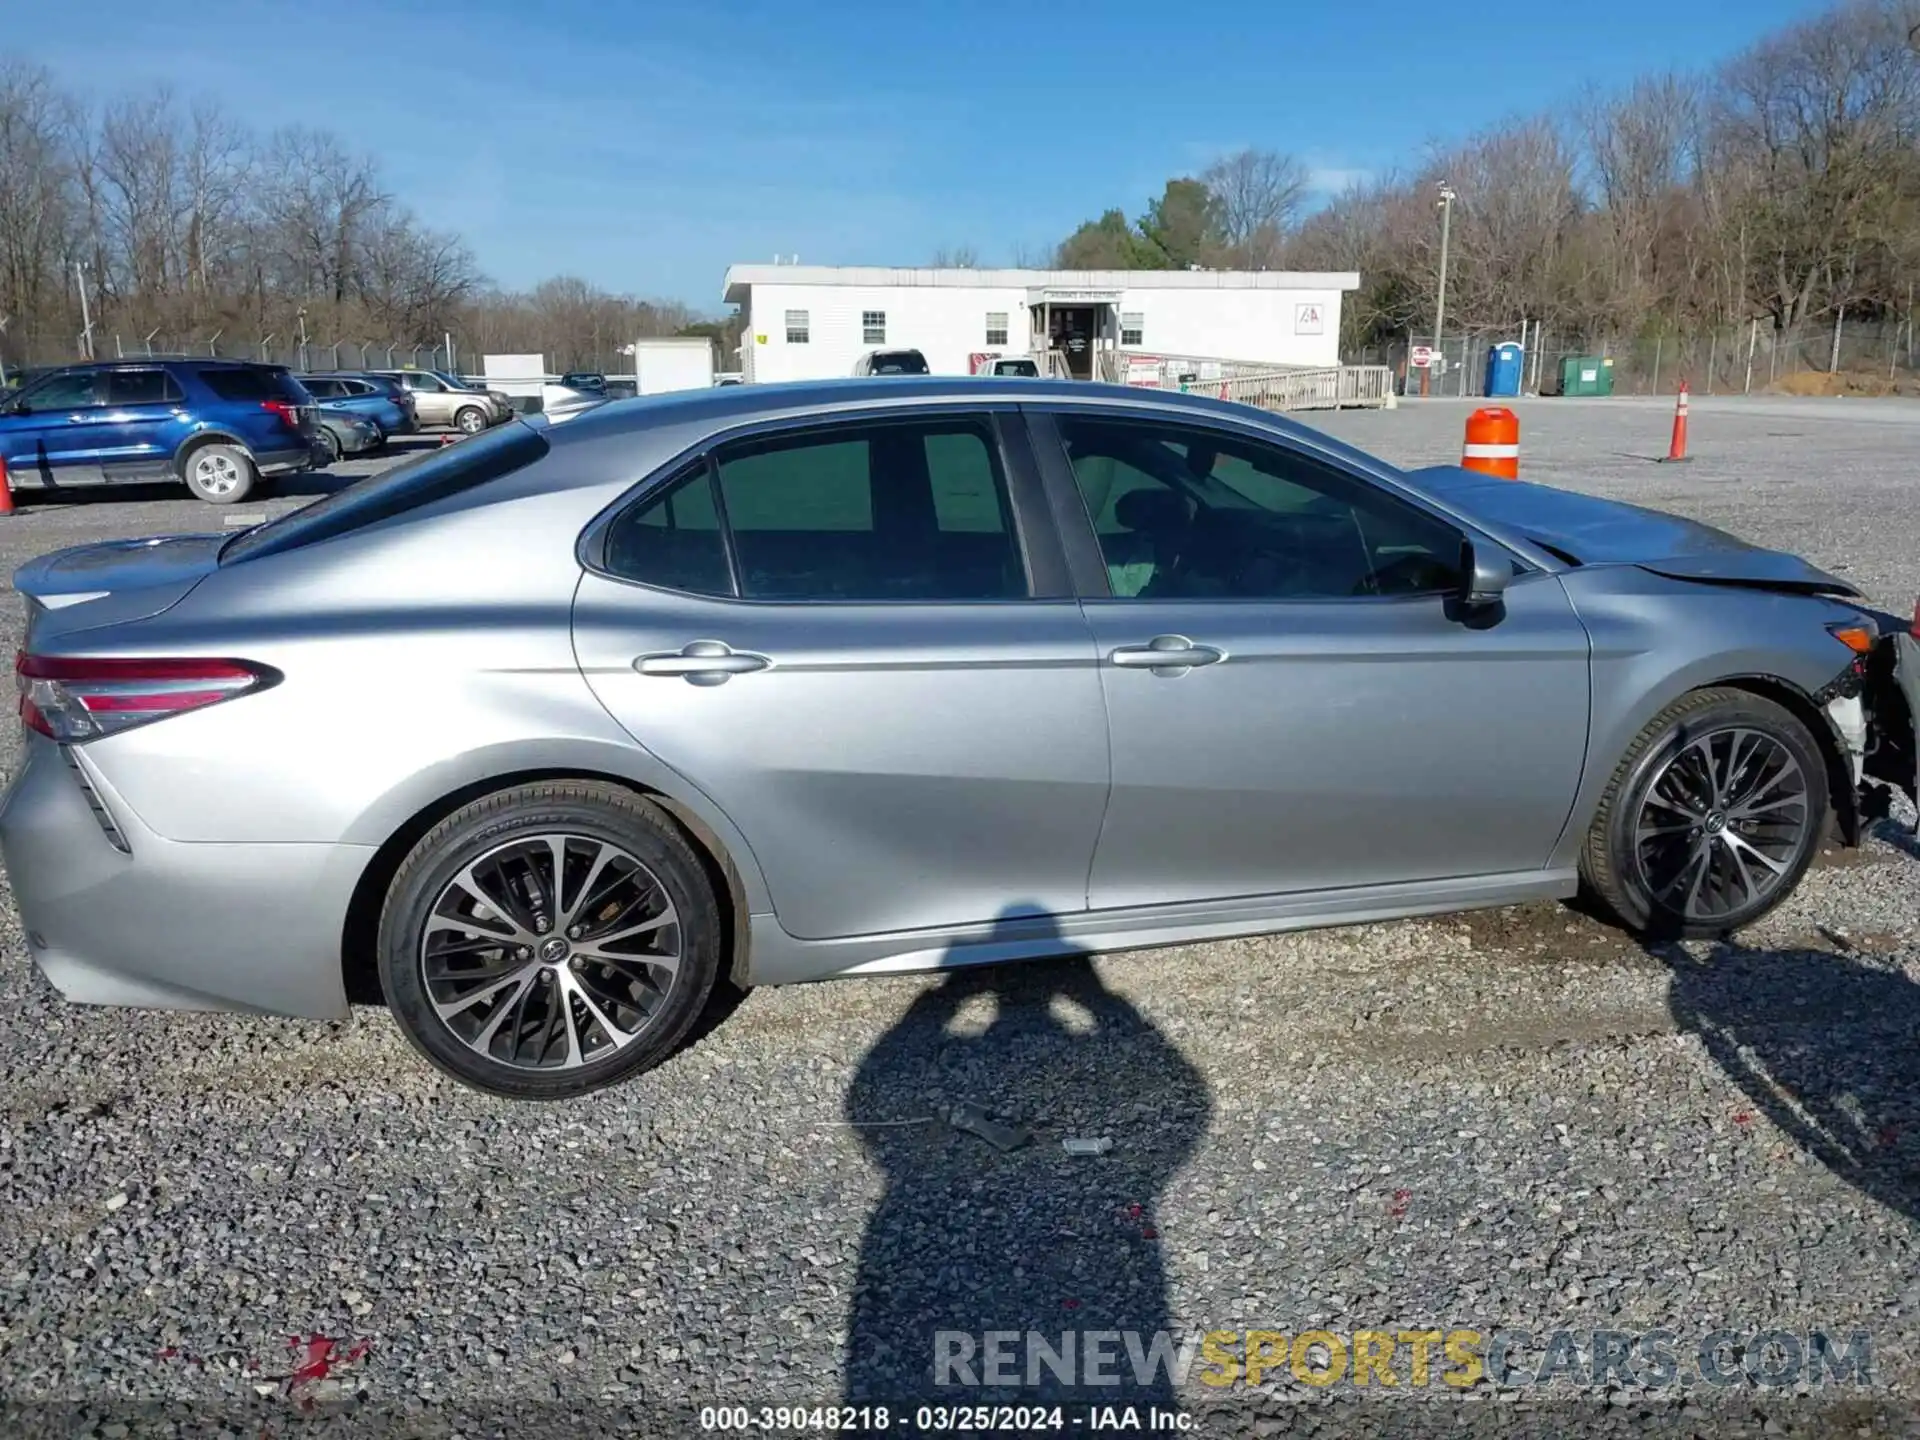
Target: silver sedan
(550,732)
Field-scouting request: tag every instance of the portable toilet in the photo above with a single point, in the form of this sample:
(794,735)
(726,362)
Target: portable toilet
(1504,368)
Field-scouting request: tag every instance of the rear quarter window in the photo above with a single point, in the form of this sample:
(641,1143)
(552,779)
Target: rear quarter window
(429,477)
(252,383)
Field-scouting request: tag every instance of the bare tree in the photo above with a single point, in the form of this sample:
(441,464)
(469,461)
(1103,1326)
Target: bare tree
(1258,195)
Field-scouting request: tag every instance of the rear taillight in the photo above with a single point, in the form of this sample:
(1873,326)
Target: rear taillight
(1915,629)
(72,699)
(288,412)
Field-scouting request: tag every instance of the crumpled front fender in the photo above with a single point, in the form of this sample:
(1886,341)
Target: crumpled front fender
(1891,696)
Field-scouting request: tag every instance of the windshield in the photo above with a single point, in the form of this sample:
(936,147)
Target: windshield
(431,475)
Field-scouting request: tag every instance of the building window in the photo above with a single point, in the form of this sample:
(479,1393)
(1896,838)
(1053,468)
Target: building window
(873,327)
(797,333)
(996,327)
(1133,327)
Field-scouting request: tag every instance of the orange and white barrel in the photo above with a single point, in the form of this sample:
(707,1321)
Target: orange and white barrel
(1493,442)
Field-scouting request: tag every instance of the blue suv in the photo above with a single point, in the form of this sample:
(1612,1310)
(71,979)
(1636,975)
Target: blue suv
(218,425)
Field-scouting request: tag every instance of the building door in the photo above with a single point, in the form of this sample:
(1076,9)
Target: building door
(1072,329)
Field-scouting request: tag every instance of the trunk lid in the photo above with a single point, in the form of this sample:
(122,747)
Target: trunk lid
(1587,530)
(106,584)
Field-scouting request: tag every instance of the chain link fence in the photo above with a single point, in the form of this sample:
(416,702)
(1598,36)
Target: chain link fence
(1877,357)
(31,352)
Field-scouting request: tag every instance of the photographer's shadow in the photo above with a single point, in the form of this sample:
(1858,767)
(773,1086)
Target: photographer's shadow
(971,1239)
(1825,1045)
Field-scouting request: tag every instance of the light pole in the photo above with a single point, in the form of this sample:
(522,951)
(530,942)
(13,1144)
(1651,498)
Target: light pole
(86,315)
(301,316)
(1447,197)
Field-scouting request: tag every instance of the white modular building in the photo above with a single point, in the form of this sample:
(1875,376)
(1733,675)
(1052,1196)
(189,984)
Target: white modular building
(809,322)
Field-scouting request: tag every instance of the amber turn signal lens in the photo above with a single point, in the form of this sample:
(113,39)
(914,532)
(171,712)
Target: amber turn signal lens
(1857,638)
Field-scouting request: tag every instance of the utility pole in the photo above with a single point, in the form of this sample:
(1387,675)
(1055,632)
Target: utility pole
(86,314)
(301,316)
(1447,197)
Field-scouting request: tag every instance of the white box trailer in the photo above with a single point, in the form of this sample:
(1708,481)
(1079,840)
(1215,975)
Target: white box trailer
(680,362)
(520,376)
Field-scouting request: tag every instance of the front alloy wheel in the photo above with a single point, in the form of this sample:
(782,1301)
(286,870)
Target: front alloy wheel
(1720,823)
(1711,818)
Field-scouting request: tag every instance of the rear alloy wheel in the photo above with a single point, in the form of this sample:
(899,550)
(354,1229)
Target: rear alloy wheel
(470,420)
(1711,819)
(221,474)
(330,443)
(549,940)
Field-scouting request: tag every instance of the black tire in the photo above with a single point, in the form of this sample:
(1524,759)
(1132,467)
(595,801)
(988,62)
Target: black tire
(469,419)
(330,442)
(220,474)
(479,835)
(1634,869)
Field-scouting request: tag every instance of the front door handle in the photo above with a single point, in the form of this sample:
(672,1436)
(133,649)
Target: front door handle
(702,662)
(1167,655)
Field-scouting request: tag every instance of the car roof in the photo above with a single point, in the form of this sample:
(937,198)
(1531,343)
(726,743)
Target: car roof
(721,407)
(142,362)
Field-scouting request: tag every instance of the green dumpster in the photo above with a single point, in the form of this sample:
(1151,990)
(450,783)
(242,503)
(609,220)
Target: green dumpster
(1586,375)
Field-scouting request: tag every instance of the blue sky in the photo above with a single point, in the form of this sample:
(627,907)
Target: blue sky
(645,145)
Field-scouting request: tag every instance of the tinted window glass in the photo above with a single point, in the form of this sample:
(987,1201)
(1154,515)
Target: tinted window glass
(323,389)
(673,540)
(141,387)
(914,511)
(72,391)
(430,476)
(899,362)
(252,383)
(1187,514)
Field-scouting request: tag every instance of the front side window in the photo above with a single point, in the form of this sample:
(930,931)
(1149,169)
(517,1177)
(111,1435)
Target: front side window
(873,327)
(1190,514)
(799,331)
(76,390)
(885,511)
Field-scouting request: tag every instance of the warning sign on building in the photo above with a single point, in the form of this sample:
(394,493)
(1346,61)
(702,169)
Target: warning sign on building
(1309,320)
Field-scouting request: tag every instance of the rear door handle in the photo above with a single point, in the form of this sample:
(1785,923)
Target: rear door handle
(702,662)
(1167,655)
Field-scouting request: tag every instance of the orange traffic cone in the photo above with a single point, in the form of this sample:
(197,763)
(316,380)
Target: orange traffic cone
(6,489)
(448,439)
(1677,447)
(1493,442)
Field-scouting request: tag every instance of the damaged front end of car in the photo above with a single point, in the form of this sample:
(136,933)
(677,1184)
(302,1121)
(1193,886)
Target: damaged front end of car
(1872,705)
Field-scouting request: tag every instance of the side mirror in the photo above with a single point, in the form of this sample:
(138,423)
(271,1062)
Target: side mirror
(1487,575)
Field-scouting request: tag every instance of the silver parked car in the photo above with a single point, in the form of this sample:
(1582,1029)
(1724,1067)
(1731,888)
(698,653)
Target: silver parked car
(555,729)
(440,399)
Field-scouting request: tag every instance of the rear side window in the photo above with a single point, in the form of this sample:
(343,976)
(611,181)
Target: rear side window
(674,540)
(251,383)
(323,389)
(875,512)
(431,476)
(142,387)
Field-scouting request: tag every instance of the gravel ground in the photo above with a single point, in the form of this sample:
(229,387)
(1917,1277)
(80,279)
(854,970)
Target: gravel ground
(1511,1121)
